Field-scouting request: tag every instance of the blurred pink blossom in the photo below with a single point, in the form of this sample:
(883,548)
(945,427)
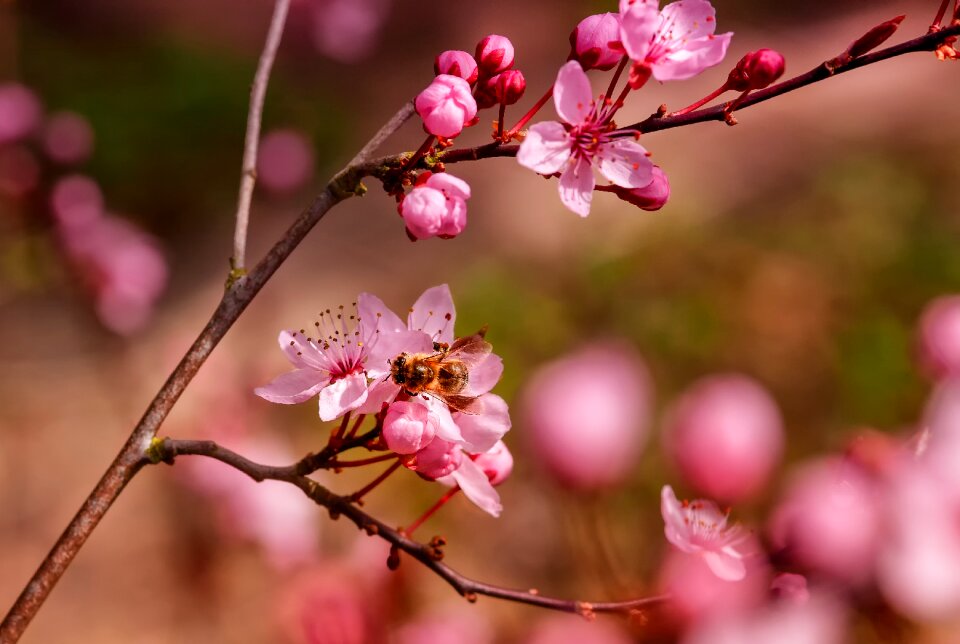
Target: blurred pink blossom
(67,138)
(829,520)
(20,112)
(652,197)
(76,200)
(285,160)
(456,63)
(590,42)
(676,43)
(494,54)
(589,432)
(573,629)
(696,592)
(347,30)
(726,436)
(819,621)
(320,607)
(446,105)
(790,587)
(584,137)
(19,171)
(437,207)
(938,337)
(700,528)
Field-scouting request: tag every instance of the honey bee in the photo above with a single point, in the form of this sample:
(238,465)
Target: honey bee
(445,373)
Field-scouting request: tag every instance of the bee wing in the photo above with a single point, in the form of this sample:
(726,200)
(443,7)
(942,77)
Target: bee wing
(471,350)
(463,404)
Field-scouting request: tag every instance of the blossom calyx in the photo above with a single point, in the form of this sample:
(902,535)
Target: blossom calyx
(756,70)
(494,54)
(446,105)
(591,39)
(455,62)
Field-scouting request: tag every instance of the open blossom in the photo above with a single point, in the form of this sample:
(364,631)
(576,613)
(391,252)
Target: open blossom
(699,527)
(585,137)
(437,207)
(446,105)
(590,41)
(676,43)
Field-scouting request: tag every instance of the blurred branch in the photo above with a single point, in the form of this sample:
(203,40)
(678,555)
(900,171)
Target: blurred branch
(248,176)
(429,554)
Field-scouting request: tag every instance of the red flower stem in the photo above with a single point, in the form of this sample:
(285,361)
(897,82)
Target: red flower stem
(503,112)
(703,101)
(616,77)
(337,436)
(356,426)
(433,510)
(940,14)
(419,154)
(357,496)
(529,115)
(335,465)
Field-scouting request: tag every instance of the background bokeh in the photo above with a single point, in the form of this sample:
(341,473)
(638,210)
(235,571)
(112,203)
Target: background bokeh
(798,248)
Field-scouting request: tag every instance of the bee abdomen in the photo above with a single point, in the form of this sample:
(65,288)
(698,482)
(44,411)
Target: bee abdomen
(452,377)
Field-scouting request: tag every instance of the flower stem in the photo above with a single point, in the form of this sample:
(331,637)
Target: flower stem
(338,435)
(529,115)
(503,111)
(419,154)
(940,14)
(703,101)
(616,77)
(433,510)
(356,426)
(357,496)
(362,462)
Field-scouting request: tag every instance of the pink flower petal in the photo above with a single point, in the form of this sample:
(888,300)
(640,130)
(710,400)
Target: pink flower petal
(576,187)
(625,163)
(693,59)
(374,314)
(383,347)
(434,314)
(572,94)
(546,148)
(342,396)
(378,394)
(294,386)
(447,429)
(484,376)
(299,352)
(449,185)
(487,424)
(726,564)
(476,486)
(689,19)
(638,25)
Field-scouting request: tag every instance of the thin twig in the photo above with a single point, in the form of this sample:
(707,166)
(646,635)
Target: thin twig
(168,449)
(248,176)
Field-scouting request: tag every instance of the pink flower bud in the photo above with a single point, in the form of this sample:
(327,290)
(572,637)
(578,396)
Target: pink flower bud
(438,459)
(19,112)
(756,70)
(726,437)
(496,463)
(875,37)
(76,200)
(486,92)
(436,208)
(651,197)
(590,41)
(938,337)
(790,587)
(446,106)
(68,138)
(285,161)
(589,431)
(508,86)
(408,427)
(457,63)
(494,54)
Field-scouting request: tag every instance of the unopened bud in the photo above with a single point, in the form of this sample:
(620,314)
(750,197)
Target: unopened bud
(456,63)
(591,39)
(486,92)
(509,86)
(494,54)
(874,38)
(650,197)
(756,70)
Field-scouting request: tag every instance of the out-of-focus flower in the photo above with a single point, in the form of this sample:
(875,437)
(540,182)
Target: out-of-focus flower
(726,436)
(651,197)
(790,587)
(347,30)
(573,629)
(408,427)
(508,86)
(285,161)
(446,627)
(589,432)
(437,207)
(19,171)
(68,138)
(455,62)
(829,520)
(584,137)
(697,593)
(20,112)
(756,70)
(938,337)
(317,607)
(700,528)
(819,621)
(676,43)
(590,42)
(446,105)
(76,200)
(494,54)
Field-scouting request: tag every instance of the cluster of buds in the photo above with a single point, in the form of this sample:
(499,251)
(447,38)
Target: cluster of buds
(429,391)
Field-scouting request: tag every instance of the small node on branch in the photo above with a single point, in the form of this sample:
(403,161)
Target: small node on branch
(470,597)
(393,559)
(372,529)
(157,453)
(638,617)
(729,119)
(533,591)
(661,111)
(585,610)
(334,514)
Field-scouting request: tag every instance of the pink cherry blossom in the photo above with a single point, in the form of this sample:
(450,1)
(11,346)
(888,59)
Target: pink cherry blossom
(726,436)
(700,528)
(790,587)
(457,63)
(446,105)
(938,337)
(496,463)
(20,112)
(819,621)
(590,41)
(76,200)
(438,459)
(316,607)
(408,427)
(438,207)
(676,43)
(68,138)
(573,629)
(697,593)
(651,197)
(494,54)
(589,432)
(585,137)
(285,160)
(447,463)
(508,87)
(348,30)
(449,625)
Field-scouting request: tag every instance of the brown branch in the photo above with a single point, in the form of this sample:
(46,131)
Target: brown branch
(426,553)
